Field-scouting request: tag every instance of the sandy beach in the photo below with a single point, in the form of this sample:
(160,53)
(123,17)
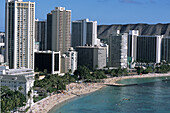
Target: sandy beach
(75,90)
(112,81)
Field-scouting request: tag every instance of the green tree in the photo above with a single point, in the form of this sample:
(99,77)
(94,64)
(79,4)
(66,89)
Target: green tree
(139,70)
(83,72)
(10,100)
(20,88)
(148,70)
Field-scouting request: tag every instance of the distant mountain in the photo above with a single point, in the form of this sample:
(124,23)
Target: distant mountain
(145,29)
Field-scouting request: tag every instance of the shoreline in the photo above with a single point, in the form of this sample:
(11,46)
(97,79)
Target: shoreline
(75,90)
(112,81)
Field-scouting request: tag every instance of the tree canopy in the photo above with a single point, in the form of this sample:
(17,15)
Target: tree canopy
(10,100)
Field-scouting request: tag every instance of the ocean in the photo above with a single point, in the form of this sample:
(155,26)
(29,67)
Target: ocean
(153,97)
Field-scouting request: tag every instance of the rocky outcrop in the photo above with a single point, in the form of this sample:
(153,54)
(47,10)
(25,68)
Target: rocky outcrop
(145,29)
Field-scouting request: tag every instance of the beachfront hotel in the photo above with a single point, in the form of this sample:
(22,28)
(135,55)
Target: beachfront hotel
(149,49)
(15,78)
(58,30)
(118,47)
(18,80)
(19,32)
(132,44)
(165,49)
(84,32)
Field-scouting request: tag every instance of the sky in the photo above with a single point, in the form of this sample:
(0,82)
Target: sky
(105,12)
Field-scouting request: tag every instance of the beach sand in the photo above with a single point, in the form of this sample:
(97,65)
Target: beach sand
(112,81)
(75,89)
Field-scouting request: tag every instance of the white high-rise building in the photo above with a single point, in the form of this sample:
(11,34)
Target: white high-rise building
(19,29)
(84,32)
(132,44)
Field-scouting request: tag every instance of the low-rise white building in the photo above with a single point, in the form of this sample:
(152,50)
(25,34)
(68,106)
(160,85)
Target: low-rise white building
(16,78)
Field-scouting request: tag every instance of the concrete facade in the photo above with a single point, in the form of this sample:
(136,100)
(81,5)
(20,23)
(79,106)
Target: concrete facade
(118,50)
(165,49)
(92,56)
(61,29)
(49,31)
(41,34)
(48,60)
(132,44)
(14,78)
(69,61)
(19,32)
(149,49)
(84,32)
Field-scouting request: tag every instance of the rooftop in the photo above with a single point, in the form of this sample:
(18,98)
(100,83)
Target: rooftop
(89,47)
(19,71)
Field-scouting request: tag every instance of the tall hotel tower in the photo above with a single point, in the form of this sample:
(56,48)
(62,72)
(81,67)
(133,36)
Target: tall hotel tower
(19,29)
(59,23)
(84,32)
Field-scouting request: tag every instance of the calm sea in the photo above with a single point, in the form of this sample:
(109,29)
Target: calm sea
(143,98)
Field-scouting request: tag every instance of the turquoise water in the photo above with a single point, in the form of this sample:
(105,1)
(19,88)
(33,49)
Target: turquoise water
(141,80)
(144,98)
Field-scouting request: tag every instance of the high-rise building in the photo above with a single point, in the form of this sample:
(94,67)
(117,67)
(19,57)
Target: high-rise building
(149,49)
(132,44)
(59,23)
(165,49)
(19,29)
(41,34)
(36,30)
(118,50)
(49,31)
(92,56)
(84,32)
